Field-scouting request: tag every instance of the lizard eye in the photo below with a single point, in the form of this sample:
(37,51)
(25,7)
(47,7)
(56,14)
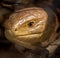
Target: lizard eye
(30,24)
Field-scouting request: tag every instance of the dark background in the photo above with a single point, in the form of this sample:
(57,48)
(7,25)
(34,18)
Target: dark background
(7,50)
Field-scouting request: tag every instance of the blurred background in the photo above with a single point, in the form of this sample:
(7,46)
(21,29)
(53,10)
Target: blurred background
(7,7)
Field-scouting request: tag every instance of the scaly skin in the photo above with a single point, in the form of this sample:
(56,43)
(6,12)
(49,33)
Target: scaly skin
(31,26)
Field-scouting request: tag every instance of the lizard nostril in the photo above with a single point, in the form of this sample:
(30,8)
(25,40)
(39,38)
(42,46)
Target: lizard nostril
(15,29)
(30,24)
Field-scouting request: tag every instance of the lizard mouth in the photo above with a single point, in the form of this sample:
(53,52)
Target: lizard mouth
(30,38)
(23,40)
(30,35)
(34,35)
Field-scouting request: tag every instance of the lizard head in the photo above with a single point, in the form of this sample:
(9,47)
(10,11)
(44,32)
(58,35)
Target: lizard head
(29,26)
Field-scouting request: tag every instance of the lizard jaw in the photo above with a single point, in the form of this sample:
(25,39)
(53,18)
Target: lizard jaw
(23,40)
